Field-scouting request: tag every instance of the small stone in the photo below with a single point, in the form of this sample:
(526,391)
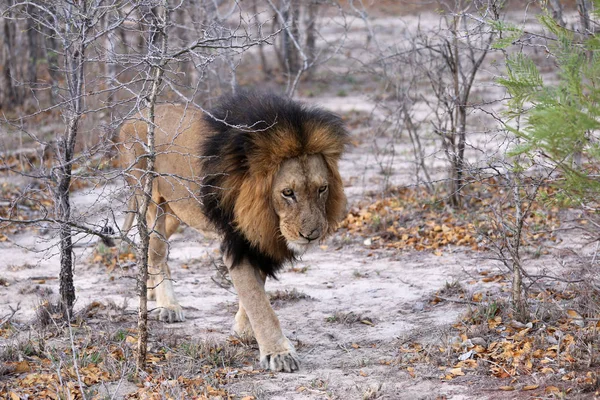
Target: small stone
(479,341)
(466,356)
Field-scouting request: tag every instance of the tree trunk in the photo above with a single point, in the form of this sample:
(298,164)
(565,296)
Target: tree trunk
(457,166)
(311,34)
(294,32)
(32,48)
(519,305)
(557,12)
(110,64)
(8,93)
(157,50)
(583,7)
(74,46)
(261,51)
(50,46)
(67,289)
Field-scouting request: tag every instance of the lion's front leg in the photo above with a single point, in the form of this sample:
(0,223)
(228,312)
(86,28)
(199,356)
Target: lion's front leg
(276,351)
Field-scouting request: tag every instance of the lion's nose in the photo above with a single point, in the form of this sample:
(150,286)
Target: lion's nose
(313,235)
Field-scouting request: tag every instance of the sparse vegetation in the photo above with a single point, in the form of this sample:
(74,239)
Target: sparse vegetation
(349,318)
(285,296)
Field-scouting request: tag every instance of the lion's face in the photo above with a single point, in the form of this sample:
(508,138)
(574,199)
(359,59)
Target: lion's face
(299,196)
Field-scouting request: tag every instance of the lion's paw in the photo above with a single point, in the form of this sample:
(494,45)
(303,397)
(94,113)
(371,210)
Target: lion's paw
(171,313)
(287,361)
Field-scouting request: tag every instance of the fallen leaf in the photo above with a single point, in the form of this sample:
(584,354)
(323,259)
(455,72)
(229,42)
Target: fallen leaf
(507,388)
(552,389)
(21,367)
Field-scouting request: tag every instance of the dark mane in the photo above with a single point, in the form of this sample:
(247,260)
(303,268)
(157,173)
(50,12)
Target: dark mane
(251,134)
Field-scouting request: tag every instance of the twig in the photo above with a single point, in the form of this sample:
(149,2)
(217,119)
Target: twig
(496,364)
(8,317)
(595,253)
(457,300)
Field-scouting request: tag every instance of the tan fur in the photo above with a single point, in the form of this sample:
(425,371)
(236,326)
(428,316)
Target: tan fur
(276,225)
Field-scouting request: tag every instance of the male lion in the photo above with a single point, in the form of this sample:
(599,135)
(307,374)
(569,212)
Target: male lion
(259,169)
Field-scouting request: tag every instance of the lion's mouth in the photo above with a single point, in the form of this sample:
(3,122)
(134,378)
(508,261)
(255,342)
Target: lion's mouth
(299,248)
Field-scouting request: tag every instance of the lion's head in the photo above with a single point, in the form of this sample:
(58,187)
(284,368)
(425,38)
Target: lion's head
(272,185)
(299,197)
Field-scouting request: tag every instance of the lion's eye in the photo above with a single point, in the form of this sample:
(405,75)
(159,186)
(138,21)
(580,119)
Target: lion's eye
(322,189)
(287,193)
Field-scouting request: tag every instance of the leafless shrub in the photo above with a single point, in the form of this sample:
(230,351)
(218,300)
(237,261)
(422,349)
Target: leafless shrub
(48,312)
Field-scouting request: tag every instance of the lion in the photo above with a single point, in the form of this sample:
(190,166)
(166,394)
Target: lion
(261,171)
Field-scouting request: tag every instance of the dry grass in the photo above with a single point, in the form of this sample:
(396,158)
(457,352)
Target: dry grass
(102,354)
(349,318)
(287,296)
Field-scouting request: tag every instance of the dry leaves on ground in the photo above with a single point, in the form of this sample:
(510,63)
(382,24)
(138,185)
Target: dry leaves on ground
(411,218)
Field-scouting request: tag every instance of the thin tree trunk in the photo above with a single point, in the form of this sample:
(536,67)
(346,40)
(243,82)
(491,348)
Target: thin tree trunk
(261,51)
(583,7)
(74,65)
(67,289)
(517,289)
(294,31)
(156,56)
(456,158)
(518,300)
(557,12)
(8,93)
(110,62)
(32,48)
(50,46)
(311,34)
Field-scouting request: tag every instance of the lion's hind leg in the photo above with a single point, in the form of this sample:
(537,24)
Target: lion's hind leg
(242,326)
(163,225)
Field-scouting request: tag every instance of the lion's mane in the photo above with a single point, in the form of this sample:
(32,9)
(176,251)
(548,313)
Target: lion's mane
(251,135)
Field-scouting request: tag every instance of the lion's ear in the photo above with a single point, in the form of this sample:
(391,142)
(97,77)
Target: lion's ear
(255,217)
(336,201)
